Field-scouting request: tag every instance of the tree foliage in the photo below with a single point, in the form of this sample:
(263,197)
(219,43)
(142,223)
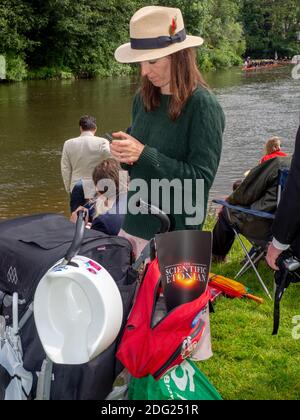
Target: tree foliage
(80,36)
(271,26)
(61,38)
(16,16)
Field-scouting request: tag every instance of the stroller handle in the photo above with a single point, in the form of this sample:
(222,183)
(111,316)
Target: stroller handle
(78,237)
(158,213)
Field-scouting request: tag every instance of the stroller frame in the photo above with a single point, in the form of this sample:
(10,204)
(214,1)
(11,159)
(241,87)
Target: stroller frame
(45,375)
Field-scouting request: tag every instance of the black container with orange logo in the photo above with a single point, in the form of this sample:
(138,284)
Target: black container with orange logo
(184,260)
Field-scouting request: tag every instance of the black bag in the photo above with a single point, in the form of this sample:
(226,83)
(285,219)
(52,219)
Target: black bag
(29,247)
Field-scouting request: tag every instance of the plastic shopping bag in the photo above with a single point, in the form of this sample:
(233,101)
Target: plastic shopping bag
(184,382)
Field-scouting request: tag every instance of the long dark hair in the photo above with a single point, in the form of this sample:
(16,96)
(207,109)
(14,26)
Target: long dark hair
(185,77)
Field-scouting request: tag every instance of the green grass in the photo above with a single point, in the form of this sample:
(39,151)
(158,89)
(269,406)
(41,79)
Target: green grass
(248,362)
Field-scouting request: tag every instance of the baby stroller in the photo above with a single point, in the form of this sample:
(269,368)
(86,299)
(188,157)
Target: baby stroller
(31,247)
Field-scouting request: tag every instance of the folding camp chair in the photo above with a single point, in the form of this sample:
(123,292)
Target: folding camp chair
(258,251)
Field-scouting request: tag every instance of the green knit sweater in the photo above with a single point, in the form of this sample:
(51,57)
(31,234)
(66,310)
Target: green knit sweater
(186,149)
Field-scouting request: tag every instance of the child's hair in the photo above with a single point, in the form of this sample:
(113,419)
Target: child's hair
(108,169)
(272,145)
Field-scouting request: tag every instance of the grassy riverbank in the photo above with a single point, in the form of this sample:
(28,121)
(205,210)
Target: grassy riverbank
(248,362)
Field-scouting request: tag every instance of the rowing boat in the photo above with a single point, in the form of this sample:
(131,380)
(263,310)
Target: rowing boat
(267,66)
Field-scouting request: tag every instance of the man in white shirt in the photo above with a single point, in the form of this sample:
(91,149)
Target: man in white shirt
(81,155)
(286,227)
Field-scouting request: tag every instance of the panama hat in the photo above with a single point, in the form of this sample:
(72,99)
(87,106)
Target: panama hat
(78,311)
(155,32)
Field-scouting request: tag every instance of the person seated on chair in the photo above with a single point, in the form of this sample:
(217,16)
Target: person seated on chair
(107,210)
(273,149)
(286,227)
(258,191)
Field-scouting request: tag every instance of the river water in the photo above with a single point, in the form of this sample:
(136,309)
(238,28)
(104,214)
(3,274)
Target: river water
(36,118)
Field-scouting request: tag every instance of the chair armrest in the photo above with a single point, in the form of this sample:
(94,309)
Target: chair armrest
(255,213)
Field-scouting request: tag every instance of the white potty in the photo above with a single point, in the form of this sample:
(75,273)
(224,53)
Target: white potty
(78,311)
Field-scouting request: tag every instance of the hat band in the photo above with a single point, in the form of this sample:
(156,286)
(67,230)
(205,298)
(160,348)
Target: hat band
(159,42)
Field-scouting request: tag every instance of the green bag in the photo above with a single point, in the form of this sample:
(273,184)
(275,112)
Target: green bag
(184,382)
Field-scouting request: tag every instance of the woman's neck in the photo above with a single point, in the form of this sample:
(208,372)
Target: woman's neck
(165,90)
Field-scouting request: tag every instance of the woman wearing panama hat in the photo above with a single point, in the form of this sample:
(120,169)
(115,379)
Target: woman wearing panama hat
(177,123)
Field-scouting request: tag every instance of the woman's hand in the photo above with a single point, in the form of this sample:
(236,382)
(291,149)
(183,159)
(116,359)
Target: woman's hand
(127,149)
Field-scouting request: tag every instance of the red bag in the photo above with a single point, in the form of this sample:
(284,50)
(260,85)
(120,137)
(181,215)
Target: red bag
(145,350)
